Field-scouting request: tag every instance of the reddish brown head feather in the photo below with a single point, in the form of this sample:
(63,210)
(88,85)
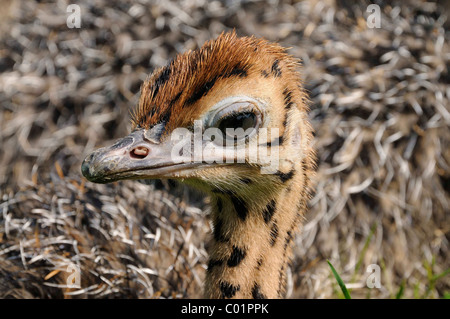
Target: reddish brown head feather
(173,94)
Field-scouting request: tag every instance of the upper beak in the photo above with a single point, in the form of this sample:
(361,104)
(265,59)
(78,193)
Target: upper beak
(133,157)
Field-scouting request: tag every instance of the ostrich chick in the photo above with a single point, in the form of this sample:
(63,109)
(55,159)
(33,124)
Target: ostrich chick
(230,119)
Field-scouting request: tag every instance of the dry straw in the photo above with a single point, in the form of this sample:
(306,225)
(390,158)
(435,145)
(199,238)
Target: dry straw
(380,108)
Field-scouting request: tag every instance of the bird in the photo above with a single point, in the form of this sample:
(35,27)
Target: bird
(230,119)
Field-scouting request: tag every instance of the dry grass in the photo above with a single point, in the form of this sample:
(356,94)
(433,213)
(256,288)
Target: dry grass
(380,107)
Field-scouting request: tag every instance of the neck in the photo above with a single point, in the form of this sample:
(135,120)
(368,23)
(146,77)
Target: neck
(252,241)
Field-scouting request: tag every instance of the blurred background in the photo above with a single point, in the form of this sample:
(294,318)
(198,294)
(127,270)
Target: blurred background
(379,107)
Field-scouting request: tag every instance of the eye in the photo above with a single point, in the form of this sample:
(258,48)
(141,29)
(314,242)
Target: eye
(245,121)
(235,120)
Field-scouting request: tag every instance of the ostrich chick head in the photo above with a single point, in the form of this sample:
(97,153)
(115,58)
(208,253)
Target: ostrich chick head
(230,119)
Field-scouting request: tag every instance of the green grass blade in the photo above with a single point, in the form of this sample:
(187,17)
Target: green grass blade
(401,290)
(416,290)
(366,245)
(442,274)
(340,282)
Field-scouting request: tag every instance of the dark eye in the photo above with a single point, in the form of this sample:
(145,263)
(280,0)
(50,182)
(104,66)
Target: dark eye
(235,126)
(242,120)
(234,120)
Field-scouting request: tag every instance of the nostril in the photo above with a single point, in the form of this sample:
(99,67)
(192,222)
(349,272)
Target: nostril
(139,152)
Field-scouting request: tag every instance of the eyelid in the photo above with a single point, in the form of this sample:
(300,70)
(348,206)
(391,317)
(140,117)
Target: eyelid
(238,103)
(235,108)
(227,113)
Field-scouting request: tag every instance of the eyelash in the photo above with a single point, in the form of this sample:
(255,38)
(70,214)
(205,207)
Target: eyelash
(230,114)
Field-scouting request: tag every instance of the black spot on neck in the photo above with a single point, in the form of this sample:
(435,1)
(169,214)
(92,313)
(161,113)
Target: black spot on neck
(240,207)
(259,263)
(256,292)
(273,233)
(287,240)
(285,176)
(269,210)
(219,236)
(228,290)
(219,204)
(236,257)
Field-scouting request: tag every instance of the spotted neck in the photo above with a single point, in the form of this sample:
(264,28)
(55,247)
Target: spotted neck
(252,240)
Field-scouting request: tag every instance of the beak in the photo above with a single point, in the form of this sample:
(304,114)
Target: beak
(136,156)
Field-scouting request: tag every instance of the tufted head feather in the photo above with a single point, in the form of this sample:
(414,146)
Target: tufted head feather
(176,94)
